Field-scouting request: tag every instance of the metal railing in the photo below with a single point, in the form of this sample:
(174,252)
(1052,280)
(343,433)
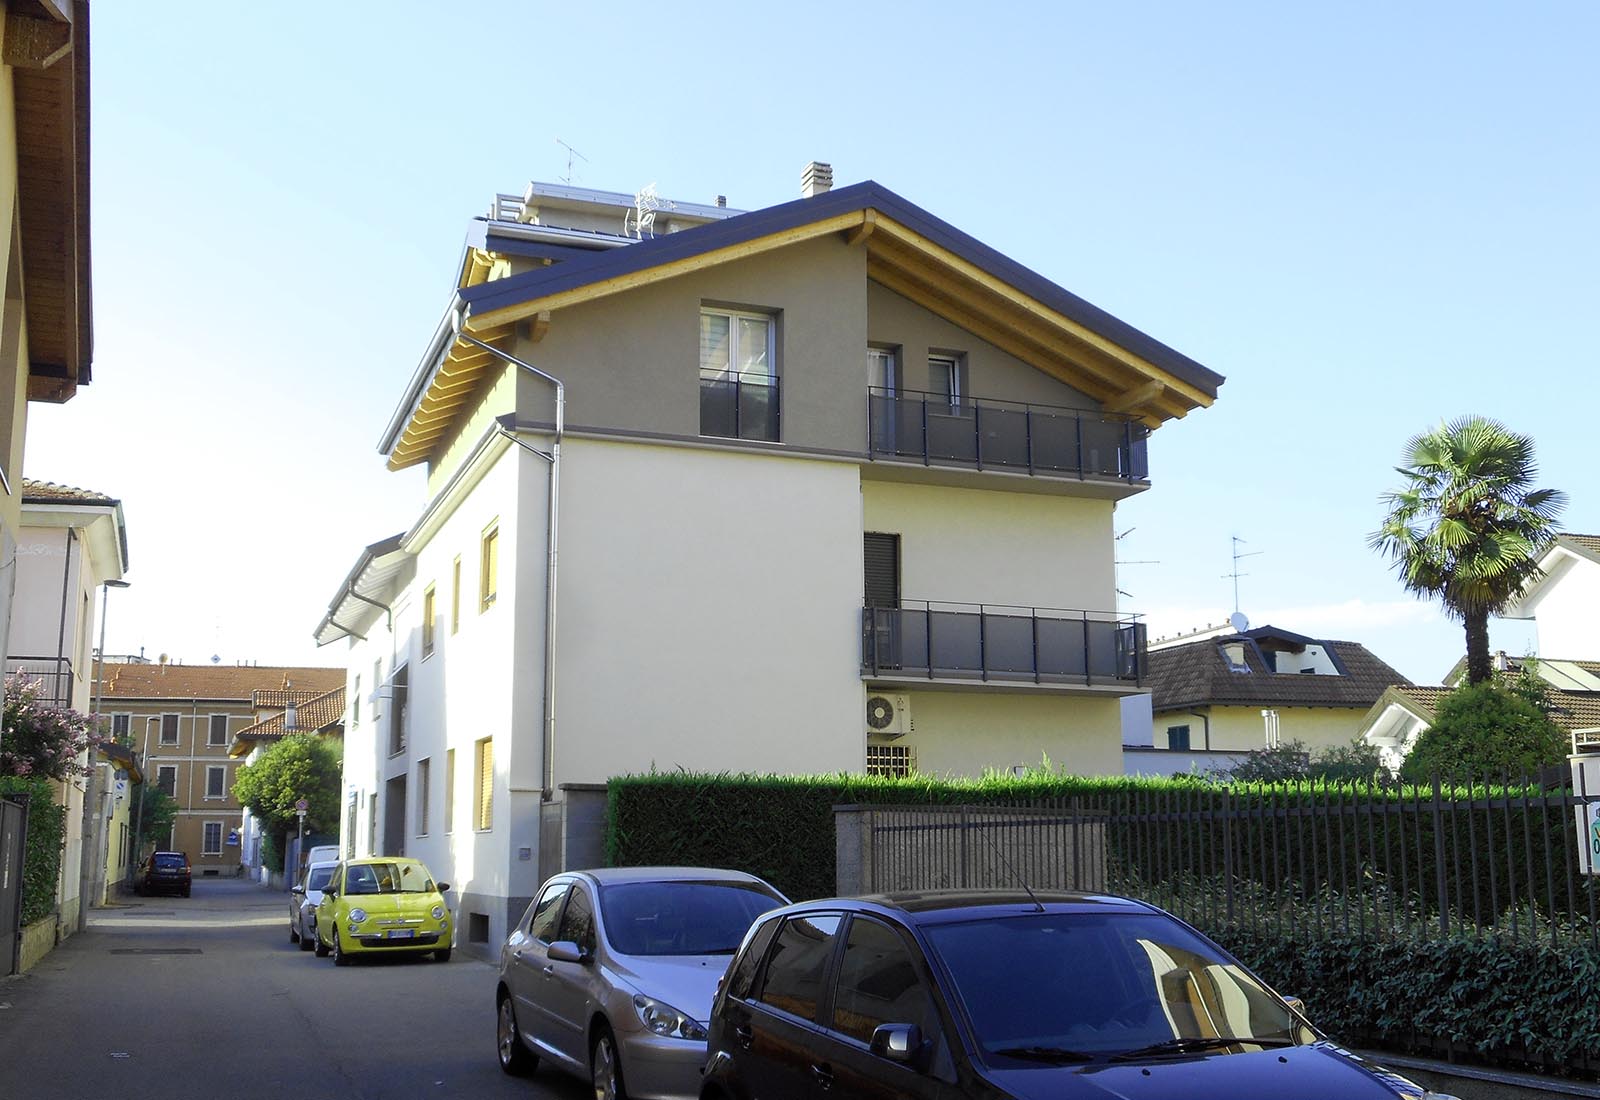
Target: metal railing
(739,406)
(1000,643)
(987,433)
(54,673)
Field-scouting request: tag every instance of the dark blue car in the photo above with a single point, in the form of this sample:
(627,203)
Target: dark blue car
(993,995)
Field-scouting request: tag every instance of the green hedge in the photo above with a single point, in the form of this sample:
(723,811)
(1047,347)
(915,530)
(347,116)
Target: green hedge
(41,856)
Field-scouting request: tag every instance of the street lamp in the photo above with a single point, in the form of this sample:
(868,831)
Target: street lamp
(87,860)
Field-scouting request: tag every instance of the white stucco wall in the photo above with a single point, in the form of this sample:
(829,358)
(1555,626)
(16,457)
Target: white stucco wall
(1567,613)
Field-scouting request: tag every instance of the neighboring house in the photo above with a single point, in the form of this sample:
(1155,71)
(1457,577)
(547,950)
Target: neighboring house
(117,793)
(182,719)
(1222,692)
(46,331)
(322,715)
(1402,714)
(1564,601)
(70,541)
(836,488)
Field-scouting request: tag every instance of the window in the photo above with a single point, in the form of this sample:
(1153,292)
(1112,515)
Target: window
(738,375)
(449,790)
(891,760)
(483,788)
(1178,738)
(944,379)
(542,917)
(355,703)
(397,709)
(167,779)
(218,733)
(372,824)
(424,768)
(799,960)
(212,845)
(1234,654)
(169,729)
(216,779)
(455,595)
(881,370)
(878,984)
(427,621)
(577,921)
(121,726)
(489,567)
(744,974)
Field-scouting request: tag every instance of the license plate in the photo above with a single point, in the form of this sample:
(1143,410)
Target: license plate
(400,933)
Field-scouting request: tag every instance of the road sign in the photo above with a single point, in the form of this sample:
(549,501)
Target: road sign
(301,806)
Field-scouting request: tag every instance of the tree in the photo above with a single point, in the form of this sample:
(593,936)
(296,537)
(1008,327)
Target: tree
(1485,731)
(39,739)
(1468,526)
(301,766)
(156,816)
(1291,761)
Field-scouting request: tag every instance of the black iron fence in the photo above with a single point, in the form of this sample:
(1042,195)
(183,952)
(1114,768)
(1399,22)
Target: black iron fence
(54,674)
(991,433)
(739,406)
(988,642)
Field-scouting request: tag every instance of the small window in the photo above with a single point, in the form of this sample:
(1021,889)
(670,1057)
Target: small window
(489,568)
(455,595)
(483,799)
(542,917)
(878,984)
(881,373)
(944,379)
(218,733)
(896,761)
(577,921)
(1233,654)
(216,779)
(427,621)
(744,973)
(167,779)
(212,845)
(424,768)
(398,690)
(121,726)
(449,790)
(169,729)
(1178,738)
(355,702)
(799,961)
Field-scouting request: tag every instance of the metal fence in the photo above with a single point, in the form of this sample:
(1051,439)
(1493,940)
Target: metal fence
(54,674)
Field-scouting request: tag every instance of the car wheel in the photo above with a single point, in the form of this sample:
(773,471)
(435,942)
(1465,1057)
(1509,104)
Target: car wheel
(515,1058)
(320,947)
(605,1071)
(443,954)
(340,958)
(294,937)
(307,938)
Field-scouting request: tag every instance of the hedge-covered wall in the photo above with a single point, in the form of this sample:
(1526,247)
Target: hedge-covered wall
(41,857)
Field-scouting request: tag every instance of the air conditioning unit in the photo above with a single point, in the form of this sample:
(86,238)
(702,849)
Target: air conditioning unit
(889,715)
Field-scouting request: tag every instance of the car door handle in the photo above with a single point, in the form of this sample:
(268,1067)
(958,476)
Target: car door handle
(549,971)
(824,1074)
(743,1035)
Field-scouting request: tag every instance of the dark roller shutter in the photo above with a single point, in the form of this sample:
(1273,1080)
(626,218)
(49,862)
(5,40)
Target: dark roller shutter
(881,554)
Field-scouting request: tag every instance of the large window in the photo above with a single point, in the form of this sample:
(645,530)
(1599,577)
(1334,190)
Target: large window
(218,732)
(738,375)
(489,567)
(483,785)
(398,688)
(169,729)
(212,845)
(216,782)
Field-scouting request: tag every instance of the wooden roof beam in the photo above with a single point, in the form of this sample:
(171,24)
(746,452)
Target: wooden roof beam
(35,43)
(1129,400)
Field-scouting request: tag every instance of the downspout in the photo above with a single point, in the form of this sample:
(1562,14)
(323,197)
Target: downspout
(61,632)
(1206,718)
(458,322)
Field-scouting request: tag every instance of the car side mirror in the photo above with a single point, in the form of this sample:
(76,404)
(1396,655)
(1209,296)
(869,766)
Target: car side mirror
(566,951)
(301,890)
(443,886)
(329,892)
(1296,1003)
(897,1042)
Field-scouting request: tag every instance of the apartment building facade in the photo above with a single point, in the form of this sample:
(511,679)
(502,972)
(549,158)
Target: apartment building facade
(825,487)
(183,720)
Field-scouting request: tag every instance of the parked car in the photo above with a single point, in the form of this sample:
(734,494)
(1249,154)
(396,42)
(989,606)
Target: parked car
(303,901)
(610,974)
(165,873)
(383,906)
(998,995)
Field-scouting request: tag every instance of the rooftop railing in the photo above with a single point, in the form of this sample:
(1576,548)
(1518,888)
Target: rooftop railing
(739,406)
(1002,643)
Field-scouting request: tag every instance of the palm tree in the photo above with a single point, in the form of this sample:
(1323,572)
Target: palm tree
(1469,527)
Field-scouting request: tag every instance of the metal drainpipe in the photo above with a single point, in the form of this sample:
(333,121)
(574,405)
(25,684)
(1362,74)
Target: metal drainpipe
(458,321)
(1206,718)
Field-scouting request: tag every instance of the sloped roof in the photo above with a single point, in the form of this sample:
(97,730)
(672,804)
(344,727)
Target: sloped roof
(278,698)
(48,492)
(319,714)
(150,680)
(1588,545)
(1571,710)
(1197,674)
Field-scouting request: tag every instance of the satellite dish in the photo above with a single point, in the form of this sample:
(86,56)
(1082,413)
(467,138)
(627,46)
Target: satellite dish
(1239,622)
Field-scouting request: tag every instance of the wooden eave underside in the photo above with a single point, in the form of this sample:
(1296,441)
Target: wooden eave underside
(898,259)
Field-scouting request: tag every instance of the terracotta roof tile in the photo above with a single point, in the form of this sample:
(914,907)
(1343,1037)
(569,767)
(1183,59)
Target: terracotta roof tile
(1571,710)
(1197,674)
(48,492)
(311,716)
(148,680)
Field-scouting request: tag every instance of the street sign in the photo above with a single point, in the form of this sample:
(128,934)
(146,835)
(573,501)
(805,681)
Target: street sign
(301,806)
(1594,838)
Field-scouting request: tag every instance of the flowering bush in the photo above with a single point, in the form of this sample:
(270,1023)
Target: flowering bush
(37,739)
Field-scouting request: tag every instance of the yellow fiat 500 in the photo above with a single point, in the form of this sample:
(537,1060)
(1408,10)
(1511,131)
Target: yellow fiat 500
(383,905)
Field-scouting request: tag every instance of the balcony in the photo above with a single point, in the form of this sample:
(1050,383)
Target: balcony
(53,674)
(943,641)
(739,406)
(982,434)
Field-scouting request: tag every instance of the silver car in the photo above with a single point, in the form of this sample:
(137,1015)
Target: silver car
(303,902)
(610,974)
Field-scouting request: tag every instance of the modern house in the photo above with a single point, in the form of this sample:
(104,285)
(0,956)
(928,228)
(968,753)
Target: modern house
(69,542)
(1564,600)
(182,719)
(320,715)
(826,486)
(1221,692)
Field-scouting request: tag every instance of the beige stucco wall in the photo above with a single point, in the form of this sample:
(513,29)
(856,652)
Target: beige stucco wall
(13,346)
(1244,729)
(980,546)
(963,733)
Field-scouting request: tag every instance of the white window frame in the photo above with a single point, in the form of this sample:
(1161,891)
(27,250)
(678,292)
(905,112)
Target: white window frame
(205,836)
(211,725)
(731,371)
(216,769)
(424,781)
(125,720)
(945,367)
(890,358)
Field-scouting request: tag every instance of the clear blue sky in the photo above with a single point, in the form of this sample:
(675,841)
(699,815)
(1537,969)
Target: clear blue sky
(1368,217)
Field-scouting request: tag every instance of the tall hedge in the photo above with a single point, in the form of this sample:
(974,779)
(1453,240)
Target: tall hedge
(41,855)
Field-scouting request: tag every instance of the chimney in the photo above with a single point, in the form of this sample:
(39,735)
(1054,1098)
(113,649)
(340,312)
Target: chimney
(817,179)
(289,717)
(722,200)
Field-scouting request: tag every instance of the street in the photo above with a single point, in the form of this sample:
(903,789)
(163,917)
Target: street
(205,997)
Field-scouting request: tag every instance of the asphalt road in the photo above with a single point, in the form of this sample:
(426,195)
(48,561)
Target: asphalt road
(204,997)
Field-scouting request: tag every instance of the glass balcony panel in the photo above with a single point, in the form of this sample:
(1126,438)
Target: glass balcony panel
(950,435)
(739,406)
(1044,645)
(1060,647)
(1008,643)
(1103,446)
(719,414)
(1004,433)
(758,411)
(955,645)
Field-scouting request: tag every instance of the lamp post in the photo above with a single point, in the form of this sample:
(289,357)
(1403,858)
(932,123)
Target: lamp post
(138,811)
(87,861)
(300,808)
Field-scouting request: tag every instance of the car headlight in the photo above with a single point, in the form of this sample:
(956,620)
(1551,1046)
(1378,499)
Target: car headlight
(662,1019)
(357,916)
(438,912)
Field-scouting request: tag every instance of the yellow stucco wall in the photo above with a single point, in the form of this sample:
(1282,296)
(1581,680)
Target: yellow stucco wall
(963,733)
(1244,729)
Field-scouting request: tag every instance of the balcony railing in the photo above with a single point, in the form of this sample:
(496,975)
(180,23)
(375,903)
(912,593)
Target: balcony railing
(1007,644)
(1009,435)
(739,406)
(54,673)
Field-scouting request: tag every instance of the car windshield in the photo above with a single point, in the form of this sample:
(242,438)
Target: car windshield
(1053,985)
(169,863)
(387,878)
(681,918)
(318,879)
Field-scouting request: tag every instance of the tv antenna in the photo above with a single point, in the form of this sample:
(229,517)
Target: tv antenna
(571,152)
(1126,561)
(1236,574)
(640,222)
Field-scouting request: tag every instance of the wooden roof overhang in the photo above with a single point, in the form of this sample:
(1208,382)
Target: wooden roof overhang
(908,251)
